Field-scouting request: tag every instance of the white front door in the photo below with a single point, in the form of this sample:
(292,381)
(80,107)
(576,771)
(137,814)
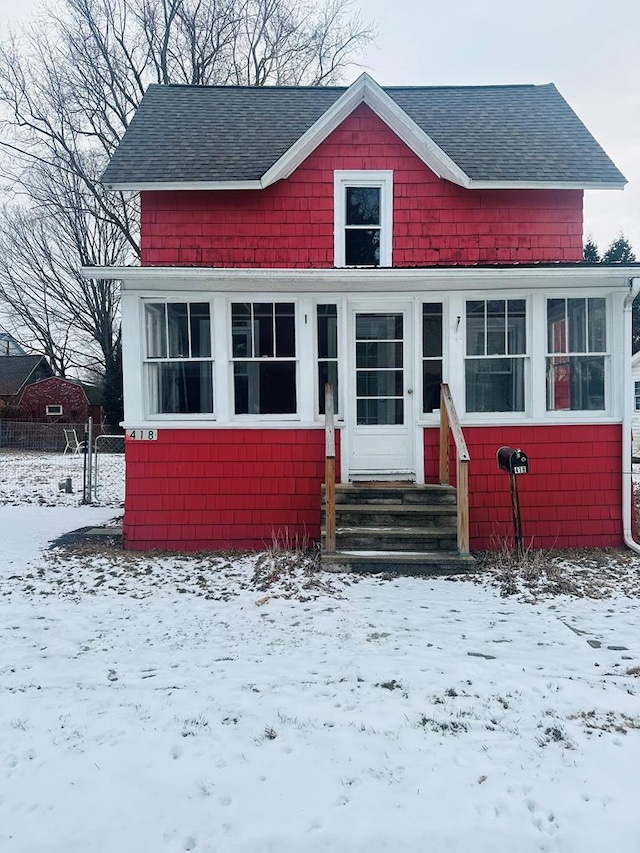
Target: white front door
(381,436)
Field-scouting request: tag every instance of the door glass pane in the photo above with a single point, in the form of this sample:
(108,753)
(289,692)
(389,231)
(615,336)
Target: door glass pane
(378,354)
(363,205)
(380,412)
(380,383)
(379,327)
(379,369)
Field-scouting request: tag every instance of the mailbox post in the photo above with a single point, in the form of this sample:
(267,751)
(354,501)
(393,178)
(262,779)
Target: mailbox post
(514,462)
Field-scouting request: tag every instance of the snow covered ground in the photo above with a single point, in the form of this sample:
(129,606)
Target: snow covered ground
(249,704)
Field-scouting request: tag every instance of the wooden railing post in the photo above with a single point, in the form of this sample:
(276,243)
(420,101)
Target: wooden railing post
(329,471)
(463,505)
(449,421)
(444,439)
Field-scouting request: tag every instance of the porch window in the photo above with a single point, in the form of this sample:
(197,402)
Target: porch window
(264,358)
(363,219)
(496,353)
(576,353)
(327,326)
(179,364)
(431,355)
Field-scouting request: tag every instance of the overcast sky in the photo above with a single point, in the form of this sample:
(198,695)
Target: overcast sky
(589,48)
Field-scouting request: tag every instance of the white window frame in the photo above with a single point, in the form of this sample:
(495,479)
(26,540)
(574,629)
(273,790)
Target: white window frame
(526,357)
(147,378)
(636,395)
(606,411)
(57,407)
(382,179)
(252,417)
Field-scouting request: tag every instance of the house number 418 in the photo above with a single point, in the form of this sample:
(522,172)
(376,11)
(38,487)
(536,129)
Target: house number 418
(143,434)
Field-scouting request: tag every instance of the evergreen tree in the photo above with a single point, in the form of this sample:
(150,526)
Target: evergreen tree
(619,252)
(590,253)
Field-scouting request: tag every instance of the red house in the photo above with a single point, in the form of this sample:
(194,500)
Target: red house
(386,240)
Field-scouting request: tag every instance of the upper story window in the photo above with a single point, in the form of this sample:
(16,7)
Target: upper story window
(263,336)
(178,360)
(496,354)
(363,219)
(576,353)
(636,396)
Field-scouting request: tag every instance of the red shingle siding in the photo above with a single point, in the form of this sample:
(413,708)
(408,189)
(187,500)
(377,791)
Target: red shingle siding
(571,498)
(290,224)
(212,489)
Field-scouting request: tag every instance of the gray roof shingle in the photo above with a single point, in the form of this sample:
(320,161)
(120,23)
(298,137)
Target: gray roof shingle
(15,370)
(223,133)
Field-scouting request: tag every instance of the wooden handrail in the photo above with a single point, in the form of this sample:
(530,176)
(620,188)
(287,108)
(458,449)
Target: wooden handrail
(329,471)
(449,423)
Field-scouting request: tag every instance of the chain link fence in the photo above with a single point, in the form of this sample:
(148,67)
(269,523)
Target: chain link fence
(38,467)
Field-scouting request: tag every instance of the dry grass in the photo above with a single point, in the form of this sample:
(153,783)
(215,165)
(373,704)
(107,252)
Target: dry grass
(581,573)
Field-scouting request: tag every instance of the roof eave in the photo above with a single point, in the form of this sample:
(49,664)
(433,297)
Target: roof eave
(473,184)
(547,185)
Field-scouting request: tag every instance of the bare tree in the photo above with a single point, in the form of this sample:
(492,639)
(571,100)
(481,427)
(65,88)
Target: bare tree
(67,94)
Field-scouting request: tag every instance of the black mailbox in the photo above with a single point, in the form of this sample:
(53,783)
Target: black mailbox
(512,461)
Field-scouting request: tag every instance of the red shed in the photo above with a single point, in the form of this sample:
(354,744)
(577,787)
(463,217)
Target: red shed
(60,401)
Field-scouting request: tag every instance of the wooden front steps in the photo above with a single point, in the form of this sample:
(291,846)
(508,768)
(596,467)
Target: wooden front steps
(399,527)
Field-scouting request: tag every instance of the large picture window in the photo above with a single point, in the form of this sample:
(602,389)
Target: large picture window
(431,355)
(496,354)
(179,364)
(576,352)
(264,358)
(363,218)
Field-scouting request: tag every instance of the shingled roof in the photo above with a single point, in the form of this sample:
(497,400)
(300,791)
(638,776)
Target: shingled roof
(17,370)
(488,135)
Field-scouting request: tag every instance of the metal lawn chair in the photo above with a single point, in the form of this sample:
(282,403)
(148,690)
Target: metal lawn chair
(73,443)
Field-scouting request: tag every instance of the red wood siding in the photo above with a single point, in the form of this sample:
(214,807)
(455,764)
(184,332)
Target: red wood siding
(290,224)
(214,489)
(570,499)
